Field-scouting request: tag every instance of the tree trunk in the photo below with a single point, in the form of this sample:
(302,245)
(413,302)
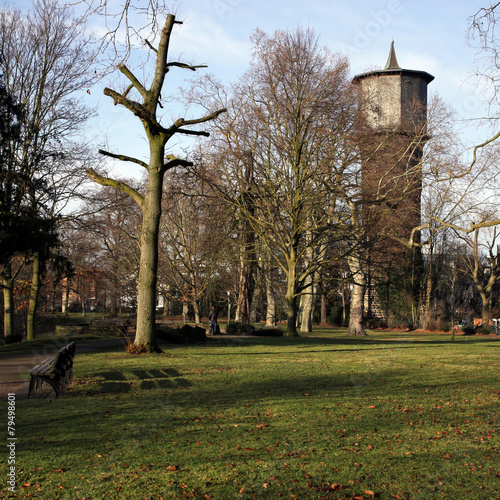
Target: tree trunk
(485,314)
(247,286)
(344,306)
(306,313)
(248,258)
(271,303)
(148,264)
(323,320)
(291,296)
(429,288)
(65,297)
(196,309)
(8,299)
(357,297)
(34,295)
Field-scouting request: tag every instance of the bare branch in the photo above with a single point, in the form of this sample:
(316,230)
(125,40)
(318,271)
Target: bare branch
(134,107)
(186,66)
(207,118)
(161,61)
(193,132)
(124,188)
(148,43)
(124,158)
(134,81)
(176,162)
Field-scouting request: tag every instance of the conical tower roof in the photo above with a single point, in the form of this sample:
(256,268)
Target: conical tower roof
(392,67)
(392,62)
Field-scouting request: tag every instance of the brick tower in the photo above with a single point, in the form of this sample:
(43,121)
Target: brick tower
(392,134)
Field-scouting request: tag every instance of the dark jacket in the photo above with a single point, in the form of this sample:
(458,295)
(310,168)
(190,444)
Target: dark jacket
(214,314)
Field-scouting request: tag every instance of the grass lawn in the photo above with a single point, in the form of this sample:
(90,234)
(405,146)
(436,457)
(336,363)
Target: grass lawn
(404,416)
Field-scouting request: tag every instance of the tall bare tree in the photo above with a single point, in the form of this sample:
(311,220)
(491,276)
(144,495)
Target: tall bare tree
(45,60)
(159,162)
(291,114)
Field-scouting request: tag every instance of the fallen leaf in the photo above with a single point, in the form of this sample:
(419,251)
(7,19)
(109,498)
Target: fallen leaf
(370,493)
(171,467)
(372,406)
(260,426)
(26,485)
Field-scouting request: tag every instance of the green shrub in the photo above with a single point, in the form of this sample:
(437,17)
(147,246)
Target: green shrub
(374,324)
(188,334)
(237,328)
(397,324)
(269,331)
(486,330)
(14,338)
(444,326)
(468,330)
(232,328)
(431,326)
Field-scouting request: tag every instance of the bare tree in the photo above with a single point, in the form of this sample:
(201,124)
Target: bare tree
(113,227)
(291,115)
(45,60)
(484,269)
(159,163)
(194,235)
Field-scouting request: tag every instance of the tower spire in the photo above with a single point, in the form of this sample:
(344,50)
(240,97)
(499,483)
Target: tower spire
(392,62)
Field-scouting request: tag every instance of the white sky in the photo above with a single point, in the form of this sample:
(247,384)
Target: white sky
(429,35)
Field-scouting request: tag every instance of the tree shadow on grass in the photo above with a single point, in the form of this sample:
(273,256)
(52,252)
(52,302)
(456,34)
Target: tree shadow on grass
(339,395)
(328,344)
(117,381)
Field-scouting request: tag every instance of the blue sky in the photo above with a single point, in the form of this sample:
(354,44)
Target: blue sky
(429,36)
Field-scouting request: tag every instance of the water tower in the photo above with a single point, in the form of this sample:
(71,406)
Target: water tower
(391,135)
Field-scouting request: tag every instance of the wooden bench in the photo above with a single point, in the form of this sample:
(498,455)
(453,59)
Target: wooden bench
(57,371)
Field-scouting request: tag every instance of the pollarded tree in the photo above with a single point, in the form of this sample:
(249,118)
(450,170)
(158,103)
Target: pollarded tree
(159,163)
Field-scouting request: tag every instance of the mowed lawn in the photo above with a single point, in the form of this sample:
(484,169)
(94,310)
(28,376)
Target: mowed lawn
(404,416)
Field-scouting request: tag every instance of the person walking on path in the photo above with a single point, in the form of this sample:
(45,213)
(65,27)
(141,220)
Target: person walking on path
(214,314)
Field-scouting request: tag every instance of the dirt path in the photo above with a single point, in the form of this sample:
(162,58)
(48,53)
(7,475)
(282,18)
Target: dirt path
(14,370)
